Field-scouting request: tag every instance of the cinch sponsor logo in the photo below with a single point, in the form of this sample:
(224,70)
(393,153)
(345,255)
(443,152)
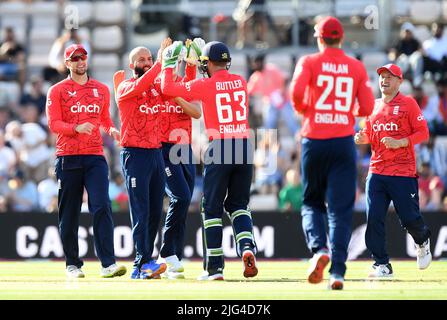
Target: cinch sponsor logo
(169,108)
(78,108)
(149,110)
(385,126)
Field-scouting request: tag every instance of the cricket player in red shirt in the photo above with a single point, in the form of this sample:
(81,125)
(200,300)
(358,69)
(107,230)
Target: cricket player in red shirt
(176,135)
(76,108)
(228,160)
(393,129)
(139,104)
(324,89)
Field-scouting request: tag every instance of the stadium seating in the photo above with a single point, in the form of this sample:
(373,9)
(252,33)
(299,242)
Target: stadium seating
(425,11)
(109,12)
(84,10)
(14,14)
(107,38)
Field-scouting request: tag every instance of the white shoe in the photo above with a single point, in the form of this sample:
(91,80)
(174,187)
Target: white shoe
(74,272)
(113,270)
(205,276)
(423,255)
(336,282)
(172,275)
(174,264)
(318,262)
(381,271)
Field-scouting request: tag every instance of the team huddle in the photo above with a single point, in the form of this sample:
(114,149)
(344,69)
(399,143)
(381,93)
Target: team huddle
(155,107)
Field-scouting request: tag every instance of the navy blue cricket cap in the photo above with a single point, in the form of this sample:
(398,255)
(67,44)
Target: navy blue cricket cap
(215,51)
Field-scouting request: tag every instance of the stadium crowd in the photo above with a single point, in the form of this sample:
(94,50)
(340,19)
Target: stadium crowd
(27,180)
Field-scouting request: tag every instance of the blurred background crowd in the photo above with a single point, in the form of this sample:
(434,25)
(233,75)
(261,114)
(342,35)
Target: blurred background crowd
(266,39)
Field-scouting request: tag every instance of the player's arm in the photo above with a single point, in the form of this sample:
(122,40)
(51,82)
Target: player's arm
(106,122)
(365,95)
(118,77)
(362,137)
(130,89)
(190,108)
(300,82)
(191,90)
(418,124)
(54,115)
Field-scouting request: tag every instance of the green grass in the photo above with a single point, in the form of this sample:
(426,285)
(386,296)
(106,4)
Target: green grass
(276,280)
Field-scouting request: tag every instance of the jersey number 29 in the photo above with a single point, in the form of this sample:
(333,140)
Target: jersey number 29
(343,91)
(224,110)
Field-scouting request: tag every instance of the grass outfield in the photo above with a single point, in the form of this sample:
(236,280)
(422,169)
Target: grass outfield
(276,280)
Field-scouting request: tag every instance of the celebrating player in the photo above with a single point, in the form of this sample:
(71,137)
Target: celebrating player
(226,183)
(139,104)
(324,88)
(394,127)
(179,167)
(76,108)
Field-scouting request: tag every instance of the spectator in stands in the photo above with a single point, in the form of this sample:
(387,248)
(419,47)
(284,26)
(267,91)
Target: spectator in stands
(421,98)
(291,195)
(56,60)
(23,196)
(245,12)
(436,110)
(407,53)
(435,51)
(12,58)
(48,191)
(431,188)
(8,157)
(117,192)
(269,82)
(35,96)
(268,165)
(29,142)
(5,116)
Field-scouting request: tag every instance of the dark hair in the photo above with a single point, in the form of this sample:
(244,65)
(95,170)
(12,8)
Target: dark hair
(331,41)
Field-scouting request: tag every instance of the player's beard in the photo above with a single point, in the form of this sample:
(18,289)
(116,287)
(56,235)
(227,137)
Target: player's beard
(140,71)
(80,71)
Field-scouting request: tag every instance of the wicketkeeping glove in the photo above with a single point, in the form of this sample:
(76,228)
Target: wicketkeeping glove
(172,54)
(194,50)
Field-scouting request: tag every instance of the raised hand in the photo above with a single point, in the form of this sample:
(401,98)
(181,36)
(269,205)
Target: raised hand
(194,50)
(171,55)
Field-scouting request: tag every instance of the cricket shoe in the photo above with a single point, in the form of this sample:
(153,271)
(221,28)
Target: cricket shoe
(381,271)
(135,273)
(174,264)
(113,270)
(249,260)
(175,268)
(212,276)
(151,269)
(74,272)
(317,264)
(423,254)
(336,282)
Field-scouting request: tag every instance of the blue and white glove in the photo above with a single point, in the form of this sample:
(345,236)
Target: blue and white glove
(194,50)
(172,54)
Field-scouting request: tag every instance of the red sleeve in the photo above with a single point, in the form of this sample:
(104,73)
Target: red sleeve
(365,95)
(418,124)
(252,84)
(106,121)
(54,115)
(367,128)
(129,89)
(192,90)
(190,73)
(300,81)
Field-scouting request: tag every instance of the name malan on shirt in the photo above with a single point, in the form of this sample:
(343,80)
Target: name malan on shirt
(335,68)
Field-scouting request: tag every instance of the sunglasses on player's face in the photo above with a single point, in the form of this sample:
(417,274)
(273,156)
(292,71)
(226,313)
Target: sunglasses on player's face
(77,58)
